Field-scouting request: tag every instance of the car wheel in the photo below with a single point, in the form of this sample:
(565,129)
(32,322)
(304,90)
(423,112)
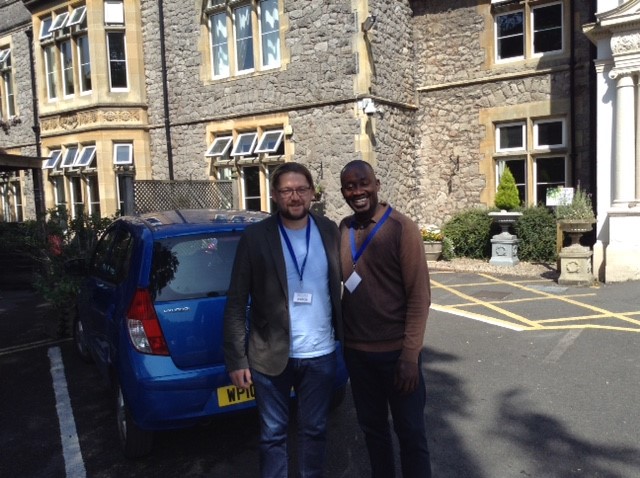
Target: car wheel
(134,441)
(80,341)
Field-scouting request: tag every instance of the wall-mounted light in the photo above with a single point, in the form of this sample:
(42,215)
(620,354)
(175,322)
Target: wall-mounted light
(369,22)
(368,106)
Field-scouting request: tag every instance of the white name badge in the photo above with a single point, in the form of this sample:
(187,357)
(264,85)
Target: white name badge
(353,281)
(302,297)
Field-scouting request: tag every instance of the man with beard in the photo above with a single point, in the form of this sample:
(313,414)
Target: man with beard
(385,306)
(287,269)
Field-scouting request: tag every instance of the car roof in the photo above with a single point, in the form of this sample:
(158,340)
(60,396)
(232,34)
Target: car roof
(185,221)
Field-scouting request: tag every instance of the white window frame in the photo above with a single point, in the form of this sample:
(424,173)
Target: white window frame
(220,147)
(263,144)
(10,100)
(76,186)
(501,162)
(85,157)
(523,128)
(237,39)
(70,156)
(94,205)
(59,193)
(82,62)
(77,16)
(225,71)
(497,39)
(533,30)
(241,141)
(54,158)
(536,141)
(67,83)
(4,54)
(268,33)
(50,72)
(46,22)
(113,13)
(128,148)
(59,22)
(535,159)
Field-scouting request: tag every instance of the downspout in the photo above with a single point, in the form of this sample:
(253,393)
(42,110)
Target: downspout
(572,93)
(38,185)
(165,91)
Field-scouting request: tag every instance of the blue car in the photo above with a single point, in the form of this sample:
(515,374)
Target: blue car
(150,314)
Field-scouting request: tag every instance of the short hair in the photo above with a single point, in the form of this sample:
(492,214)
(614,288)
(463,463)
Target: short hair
(290,167)
(357,163)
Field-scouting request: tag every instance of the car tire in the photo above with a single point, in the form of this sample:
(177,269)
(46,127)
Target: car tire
(134,441)
(80,341)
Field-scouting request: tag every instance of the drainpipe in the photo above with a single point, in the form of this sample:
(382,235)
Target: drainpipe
(572,92)
(165,91)
(38,186)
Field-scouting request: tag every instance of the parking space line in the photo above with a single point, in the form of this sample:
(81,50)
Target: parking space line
(488,305)
(480,318)
(514,301)
(73,463)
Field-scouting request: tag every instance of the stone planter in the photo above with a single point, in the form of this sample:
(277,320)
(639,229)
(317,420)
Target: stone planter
(432,250)
(575,259)
(504,246)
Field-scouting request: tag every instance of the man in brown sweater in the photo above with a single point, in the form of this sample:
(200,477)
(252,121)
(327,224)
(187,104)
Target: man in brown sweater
(385,306)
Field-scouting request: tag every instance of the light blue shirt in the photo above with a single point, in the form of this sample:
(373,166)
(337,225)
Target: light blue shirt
(311,329)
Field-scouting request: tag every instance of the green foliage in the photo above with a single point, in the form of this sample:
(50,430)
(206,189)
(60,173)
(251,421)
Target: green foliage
(507,196)
(579,208)
(51,242)
(536,229)
(470,233)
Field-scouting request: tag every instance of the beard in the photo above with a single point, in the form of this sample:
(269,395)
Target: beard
(287,214)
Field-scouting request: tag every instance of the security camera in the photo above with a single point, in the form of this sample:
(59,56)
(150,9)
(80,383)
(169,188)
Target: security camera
(369,108)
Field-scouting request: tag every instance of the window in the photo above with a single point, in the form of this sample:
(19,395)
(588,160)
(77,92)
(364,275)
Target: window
(7,96)
(220,147)
(50,67)
(59,22)
(86,156)
(59,194)
(547,28)
(244,144)
(117,60)
(510,35)
(77,201)
(524,29)
(45,28)
(270,141)
(66,60)
(510,137)
(251,30)
(54,157)
(113,13)
(77,16)
(93,193)
(122,154)
(69,157)
(535,151)
(85,64)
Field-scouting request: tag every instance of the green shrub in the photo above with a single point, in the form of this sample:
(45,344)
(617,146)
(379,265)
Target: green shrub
(536,229)
(507,196)
(470,233)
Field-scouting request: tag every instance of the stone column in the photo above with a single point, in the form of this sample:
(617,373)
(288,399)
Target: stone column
(625,139)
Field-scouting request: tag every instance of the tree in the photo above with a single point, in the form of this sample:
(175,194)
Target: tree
(507,196)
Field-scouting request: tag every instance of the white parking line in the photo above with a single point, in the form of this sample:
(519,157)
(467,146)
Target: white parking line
(73,463)
(562,346)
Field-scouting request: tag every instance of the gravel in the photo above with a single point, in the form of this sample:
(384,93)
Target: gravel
(523,269)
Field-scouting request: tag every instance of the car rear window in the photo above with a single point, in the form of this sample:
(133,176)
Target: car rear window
(190,267)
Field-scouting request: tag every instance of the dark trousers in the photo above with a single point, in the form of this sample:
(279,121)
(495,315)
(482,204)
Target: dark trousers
(313,380)
(374,395)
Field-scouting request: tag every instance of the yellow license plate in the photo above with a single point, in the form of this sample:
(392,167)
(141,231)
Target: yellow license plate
(232,395)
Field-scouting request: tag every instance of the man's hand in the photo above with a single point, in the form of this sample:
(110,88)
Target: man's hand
(241,378)
(406,379)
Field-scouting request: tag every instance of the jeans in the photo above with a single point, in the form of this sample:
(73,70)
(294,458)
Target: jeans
(313,381)
(372,377)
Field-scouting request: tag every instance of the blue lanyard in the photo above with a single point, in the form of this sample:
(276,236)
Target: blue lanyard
(290,247)
(355,255)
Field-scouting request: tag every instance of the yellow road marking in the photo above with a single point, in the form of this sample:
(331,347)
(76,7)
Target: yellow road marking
(479,317)
(514,301)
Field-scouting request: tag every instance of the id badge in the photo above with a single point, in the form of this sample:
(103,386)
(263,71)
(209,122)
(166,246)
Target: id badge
(353,281)
(302,297)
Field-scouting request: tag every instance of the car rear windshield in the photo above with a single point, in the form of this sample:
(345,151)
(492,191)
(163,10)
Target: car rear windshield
(190,267)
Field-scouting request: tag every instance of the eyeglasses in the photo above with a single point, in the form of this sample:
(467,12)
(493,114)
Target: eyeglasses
(288,192)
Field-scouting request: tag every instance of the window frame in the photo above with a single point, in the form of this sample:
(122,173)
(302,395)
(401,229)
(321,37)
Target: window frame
(129,159)
(86,156)
(523,127)
(498,38)
(83,12)
(68,80)
(82,63)
(51,72)
(45,22)
(112,61)
(57,23)
(536,133)
(67,161)
(227,140)
(274,32)
(533,29)
(214,46)
(261,147)
(235,152)
(52,163)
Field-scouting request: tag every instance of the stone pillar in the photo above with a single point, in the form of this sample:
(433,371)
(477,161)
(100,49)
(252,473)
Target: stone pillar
(625,139)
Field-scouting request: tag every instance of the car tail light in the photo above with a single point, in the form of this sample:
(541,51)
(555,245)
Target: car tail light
(143,325)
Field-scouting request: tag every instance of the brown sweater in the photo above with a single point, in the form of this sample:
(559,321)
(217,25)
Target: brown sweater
(388,310)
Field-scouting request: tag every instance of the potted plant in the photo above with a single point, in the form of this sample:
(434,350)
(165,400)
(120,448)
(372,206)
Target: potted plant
(432,238)
(504,246)
(575,217)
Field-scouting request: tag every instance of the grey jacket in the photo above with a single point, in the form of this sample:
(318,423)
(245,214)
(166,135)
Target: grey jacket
(259,275)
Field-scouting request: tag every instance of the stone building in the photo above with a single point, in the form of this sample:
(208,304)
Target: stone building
(440,96)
